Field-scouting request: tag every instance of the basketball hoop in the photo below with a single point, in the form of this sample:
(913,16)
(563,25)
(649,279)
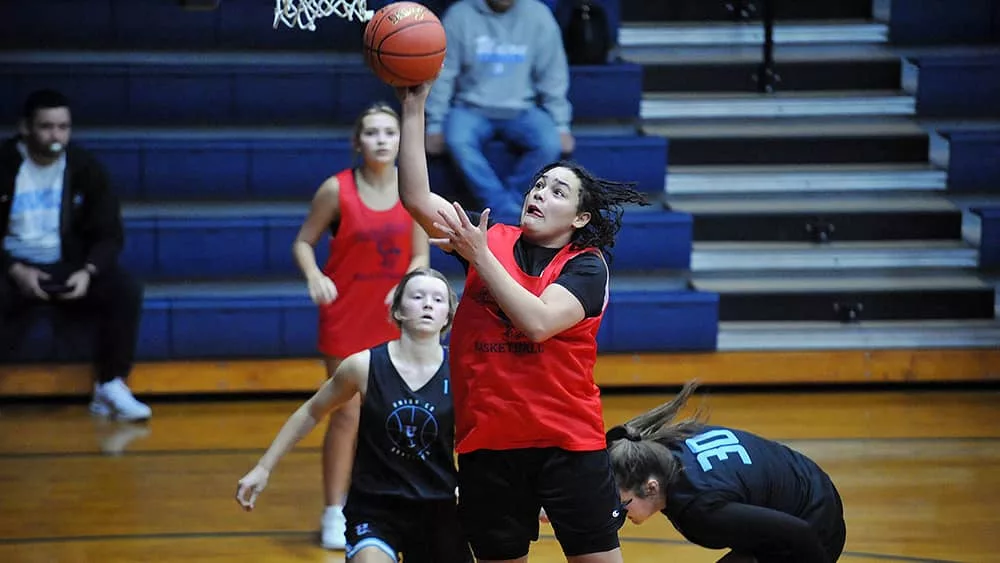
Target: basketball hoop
(305,14)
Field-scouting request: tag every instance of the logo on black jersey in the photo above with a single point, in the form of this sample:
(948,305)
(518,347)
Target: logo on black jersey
(412,428)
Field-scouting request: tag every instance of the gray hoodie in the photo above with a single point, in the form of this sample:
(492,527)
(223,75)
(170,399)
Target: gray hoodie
(500,64)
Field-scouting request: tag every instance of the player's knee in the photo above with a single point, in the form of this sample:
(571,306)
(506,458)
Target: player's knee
(538,133)
(465,130)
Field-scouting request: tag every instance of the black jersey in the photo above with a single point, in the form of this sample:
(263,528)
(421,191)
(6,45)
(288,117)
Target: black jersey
(406,437)
(756,496)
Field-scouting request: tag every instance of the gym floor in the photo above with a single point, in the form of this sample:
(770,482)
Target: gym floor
(917,471)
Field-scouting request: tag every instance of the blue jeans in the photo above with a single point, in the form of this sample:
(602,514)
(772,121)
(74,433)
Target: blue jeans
(532,134)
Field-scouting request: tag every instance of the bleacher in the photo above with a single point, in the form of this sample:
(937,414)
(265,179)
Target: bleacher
(829,217)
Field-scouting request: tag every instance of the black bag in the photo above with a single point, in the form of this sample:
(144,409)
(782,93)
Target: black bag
(587,35)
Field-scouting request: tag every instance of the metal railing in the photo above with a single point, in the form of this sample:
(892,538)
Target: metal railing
(745,10)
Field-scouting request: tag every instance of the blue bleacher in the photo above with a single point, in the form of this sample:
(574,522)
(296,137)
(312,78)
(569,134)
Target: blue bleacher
(989,239)
(219,243)
(958,94)
(973,159)
(179,165)
(937,22)
(151,89)
(217,129)
(230,320)
(159,24)
(958,86)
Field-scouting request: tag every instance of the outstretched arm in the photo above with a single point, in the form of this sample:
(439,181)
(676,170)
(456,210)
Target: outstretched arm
(350,378)
(414,183)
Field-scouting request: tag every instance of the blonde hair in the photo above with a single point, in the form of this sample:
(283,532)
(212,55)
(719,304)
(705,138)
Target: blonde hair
(640,448)
(397,296)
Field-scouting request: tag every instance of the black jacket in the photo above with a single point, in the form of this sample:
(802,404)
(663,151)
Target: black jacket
(90,224)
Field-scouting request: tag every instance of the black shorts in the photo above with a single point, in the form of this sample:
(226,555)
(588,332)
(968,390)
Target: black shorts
(829,525)
(833,529)
(420,531)
(501,492)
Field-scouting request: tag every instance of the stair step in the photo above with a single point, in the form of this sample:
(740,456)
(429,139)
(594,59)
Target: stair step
(736,142)
(872,295)
(706,180)
(733,260)
(761,336)
(768,127)
(702,10)
(798,104)
(814,218)
(792,150)
(739,76)
(668,34)
(868,280)
(783,53)
(792,141)
(811,203)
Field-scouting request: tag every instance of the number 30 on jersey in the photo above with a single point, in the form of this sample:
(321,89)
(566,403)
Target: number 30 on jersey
(716,444)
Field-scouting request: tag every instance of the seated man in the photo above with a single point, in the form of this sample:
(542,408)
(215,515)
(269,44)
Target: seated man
(62,232)
(505,76)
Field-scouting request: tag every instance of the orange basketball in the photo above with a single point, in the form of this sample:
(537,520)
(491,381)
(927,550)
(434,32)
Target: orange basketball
(404,44)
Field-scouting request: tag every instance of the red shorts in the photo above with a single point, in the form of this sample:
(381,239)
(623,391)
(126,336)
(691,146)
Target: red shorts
(345,330)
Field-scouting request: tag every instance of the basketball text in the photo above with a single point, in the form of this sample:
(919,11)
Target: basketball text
(403,13)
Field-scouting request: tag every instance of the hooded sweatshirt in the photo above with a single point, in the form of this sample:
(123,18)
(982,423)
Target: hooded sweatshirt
(501,64)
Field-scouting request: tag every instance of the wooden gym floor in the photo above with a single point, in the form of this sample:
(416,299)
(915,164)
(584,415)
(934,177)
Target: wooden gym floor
(918,471)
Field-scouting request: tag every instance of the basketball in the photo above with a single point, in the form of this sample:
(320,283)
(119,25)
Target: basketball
(404,44)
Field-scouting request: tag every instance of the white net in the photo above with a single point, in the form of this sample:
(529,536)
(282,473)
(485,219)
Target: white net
(304,13)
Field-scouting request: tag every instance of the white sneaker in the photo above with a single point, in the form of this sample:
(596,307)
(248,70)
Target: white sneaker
(333,528)
(114,399)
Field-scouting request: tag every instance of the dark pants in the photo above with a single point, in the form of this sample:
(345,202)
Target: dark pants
(113,300)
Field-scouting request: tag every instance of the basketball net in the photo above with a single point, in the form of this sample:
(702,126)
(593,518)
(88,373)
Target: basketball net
(304,13)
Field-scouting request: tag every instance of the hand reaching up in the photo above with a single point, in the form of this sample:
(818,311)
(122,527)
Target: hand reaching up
(412,97)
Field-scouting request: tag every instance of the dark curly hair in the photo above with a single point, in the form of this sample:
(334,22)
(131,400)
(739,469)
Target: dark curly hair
(604,200)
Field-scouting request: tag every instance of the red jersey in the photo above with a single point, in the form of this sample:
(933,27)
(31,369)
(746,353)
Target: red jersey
(369,254)
(510,392)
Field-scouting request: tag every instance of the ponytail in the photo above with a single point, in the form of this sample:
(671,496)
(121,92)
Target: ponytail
(639,448)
